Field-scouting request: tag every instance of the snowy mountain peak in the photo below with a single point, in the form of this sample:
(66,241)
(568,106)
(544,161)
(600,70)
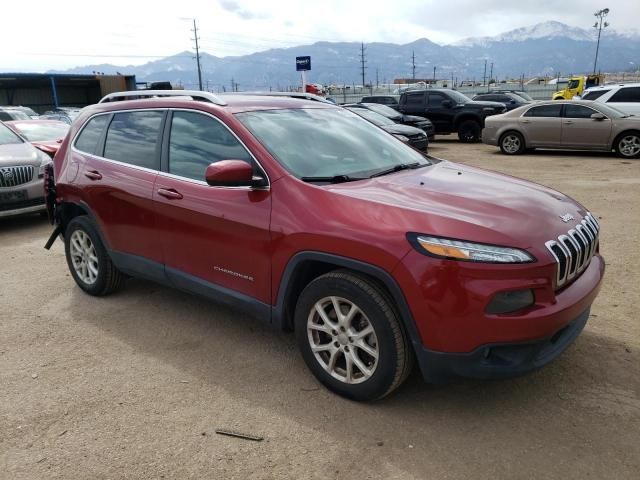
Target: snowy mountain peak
(548,29)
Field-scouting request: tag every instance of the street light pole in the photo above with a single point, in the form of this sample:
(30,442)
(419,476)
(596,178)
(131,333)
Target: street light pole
(600,23)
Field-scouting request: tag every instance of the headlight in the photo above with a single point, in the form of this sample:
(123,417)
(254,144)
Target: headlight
(44,161)
(468,251)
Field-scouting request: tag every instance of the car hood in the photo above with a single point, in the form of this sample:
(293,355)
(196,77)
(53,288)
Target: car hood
(414,118)
(457,201)
(481,104)
(400,129)
(15,154)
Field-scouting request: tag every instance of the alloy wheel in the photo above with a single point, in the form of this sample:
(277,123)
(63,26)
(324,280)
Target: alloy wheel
(84,257)
(511,144)
(343,340)
(629,145)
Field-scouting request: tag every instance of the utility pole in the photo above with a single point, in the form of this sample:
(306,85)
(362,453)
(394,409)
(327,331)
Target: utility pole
(363,61)
(484,77)
(434,74)
(413,64)
(600,23)
(196,38)
(490,77)
(377,78)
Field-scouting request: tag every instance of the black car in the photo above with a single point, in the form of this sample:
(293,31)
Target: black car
(390,100)
(520,93)
(422,123)
(411,135)
(510,100)
(450,111)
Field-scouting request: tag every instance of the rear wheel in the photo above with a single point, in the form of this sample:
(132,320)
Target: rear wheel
(350,336)
(469,131)
(627,145)
(512,143)
(88,260)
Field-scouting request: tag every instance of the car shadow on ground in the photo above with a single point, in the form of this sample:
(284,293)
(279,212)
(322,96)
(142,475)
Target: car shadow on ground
(261,367)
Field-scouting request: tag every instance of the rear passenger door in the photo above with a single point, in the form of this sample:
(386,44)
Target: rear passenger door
(542,125)
(216,240)
(414,103)
(118,171)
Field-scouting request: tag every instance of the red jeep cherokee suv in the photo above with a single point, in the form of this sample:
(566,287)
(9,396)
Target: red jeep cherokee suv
(313,219)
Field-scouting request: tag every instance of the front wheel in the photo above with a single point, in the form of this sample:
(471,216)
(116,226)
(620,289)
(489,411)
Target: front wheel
(88,260)
(512,143)
(627,145)
(350,336)
(469,131)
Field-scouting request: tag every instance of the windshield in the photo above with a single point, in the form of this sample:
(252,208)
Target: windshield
(524,95)
(37,132)
(573,84)
(458,97)
(327,142)
(373,117)
(611,111)
(7,136)
(384,110)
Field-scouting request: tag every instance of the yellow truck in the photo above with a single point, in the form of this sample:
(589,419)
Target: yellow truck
(577,86)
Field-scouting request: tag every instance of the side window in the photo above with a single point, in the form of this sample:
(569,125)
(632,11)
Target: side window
(415,99)
(628,94)
(594,94)
(544,111)
(436,99)
(198,140)
(133,138)
(578,111)
(90,135)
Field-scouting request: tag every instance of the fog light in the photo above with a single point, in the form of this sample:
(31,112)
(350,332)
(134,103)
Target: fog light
(505,302)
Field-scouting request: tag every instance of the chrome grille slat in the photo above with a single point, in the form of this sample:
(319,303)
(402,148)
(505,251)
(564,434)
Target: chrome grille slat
(573,251)
(15,175)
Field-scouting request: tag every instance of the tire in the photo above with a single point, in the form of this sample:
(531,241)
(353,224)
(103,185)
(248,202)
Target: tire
(627,145)
(88,260)
(342,362)
(512,143)
(469,131)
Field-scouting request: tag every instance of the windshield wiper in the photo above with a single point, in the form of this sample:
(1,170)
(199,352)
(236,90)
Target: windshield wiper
(333,179)
(397,168)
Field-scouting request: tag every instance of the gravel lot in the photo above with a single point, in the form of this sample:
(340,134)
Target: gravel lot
(134,385)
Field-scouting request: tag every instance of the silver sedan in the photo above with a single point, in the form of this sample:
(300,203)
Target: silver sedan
(567,125)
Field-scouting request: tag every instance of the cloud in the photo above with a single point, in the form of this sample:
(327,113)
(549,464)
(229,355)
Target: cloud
(245,14)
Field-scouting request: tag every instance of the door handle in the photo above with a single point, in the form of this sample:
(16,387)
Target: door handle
(568,122)
(526,121)
(93,175)
(170,193)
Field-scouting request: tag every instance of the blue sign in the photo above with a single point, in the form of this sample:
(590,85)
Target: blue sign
(303,64)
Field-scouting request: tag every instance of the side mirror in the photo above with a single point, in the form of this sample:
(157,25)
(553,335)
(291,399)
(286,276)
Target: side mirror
(447,104)
(597,116)
(229,173)
(512,102)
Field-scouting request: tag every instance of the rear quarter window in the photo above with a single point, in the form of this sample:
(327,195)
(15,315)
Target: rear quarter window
(90,135)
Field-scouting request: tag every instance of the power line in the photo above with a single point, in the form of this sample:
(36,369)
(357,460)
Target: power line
(195,35)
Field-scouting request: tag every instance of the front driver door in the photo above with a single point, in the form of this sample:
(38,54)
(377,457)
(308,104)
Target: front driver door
(579,130)
(215,240)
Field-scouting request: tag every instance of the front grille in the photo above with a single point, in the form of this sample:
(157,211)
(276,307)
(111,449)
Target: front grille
(14,176)
(573,250)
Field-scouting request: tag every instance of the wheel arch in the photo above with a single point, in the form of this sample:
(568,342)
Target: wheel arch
(614,144)
(67,211)
(514,130)
(305,266)
(467,116)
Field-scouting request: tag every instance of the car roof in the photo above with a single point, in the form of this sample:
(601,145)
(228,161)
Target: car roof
(609,86)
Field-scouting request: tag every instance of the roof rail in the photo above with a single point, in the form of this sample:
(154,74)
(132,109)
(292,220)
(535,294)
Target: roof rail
(299,95)
(138,94)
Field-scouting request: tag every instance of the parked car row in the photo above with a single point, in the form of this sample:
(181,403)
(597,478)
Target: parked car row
(309,217)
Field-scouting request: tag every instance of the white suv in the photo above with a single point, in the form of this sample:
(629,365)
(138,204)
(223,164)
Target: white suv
(623,96)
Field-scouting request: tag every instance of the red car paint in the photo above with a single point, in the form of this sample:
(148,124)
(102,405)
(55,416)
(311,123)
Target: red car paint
(48,146)
(209,231)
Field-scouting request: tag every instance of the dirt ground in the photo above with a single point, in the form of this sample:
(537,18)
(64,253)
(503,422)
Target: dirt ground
(135,385)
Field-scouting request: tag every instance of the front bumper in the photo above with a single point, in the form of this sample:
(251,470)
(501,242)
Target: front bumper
(501,360)
(22,208)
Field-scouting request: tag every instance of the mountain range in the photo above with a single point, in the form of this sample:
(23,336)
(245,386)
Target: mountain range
(545,49)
